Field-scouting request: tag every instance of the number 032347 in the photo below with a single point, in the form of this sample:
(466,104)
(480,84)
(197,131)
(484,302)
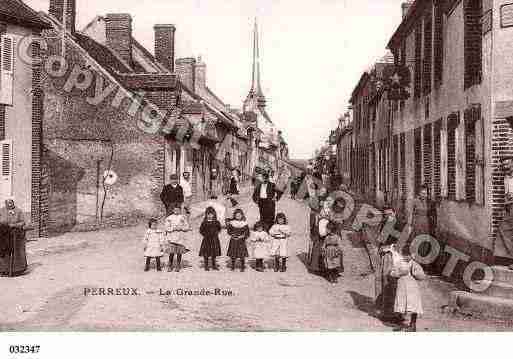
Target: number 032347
(24,349)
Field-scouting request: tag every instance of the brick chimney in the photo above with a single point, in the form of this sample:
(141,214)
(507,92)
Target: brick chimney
(57,10)
(185,69)
(200,74)
(405,6)
(118,30)
(165,45)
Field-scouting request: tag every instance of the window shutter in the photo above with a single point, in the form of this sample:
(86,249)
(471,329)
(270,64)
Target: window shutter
(402,151)
(417,85)
(7,69)
(427,156)
(395,162)
(471,116)
(438,44)
(452,124)
(437,159)
(418,158)
(428,43)
(473,42)
(6,168)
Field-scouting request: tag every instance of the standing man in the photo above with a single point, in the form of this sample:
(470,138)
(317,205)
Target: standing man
(172,194)
(265,197)
(187,192)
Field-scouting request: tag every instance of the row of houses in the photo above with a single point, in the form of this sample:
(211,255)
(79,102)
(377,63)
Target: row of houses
(451,132)
(92,124)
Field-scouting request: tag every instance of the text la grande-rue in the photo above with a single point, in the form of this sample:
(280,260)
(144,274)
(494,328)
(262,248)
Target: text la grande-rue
(197,292)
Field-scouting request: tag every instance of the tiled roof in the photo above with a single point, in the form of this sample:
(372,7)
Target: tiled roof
(192,108)
(148,55)
(102,55)
(16,11)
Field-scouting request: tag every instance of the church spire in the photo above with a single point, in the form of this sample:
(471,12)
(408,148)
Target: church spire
(256,93)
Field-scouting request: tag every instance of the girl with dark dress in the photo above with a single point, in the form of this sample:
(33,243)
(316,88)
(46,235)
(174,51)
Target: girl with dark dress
(210,246)
(238,230)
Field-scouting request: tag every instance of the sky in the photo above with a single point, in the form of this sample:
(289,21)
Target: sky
(312,52)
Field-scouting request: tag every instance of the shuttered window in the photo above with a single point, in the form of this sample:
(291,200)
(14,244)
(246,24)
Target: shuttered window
(471,116)
(418,62)
(417,143)
(452,124)
(6,69)
(6,153)
(438,44)
(402,151)
(395,161)
(427,156)
(473,10)
(437,189)
(403,54)
(428,52)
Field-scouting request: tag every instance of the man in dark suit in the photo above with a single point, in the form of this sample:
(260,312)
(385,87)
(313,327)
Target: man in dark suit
(172,195)
(265,197)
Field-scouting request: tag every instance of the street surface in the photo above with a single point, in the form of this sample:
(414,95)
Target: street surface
(52,295)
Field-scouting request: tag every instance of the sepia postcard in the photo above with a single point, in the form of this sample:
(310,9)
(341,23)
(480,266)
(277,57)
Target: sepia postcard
(255,166)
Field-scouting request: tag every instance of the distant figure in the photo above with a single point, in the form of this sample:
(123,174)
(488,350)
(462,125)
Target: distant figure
(234,183)
(187,192)
(172,195)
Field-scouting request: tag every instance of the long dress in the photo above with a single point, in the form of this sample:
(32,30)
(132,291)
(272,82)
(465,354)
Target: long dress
(331,251)
(210,245)
(153,242)
(260,241)
(315,242)
(386,285)
(408,298)
(176,234)
(280,234)
(421,223)
(13,259)
(238,232)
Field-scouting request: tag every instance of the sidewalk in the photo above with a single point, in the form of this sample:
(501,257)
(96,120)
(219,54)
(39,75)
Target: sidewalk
(77,240)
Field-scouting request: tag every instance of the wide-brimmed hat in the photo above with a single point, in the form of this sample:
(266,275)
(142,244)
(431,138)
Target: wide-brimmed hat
(173,177)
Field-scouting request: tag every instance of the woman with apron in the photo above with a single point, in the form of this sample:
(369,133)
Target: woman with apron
(13,259)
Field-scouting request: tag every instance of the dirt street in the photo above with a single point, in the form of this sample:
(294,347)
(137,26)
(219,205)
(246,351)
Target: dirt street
(57,293)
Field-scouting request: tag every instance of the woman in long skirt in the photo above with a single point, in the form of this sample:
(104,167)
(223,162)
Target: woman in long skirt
(419,220)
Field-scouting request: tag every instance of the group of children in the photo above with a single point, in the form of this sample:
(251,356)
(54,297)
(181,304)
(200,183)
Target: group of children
(175,239)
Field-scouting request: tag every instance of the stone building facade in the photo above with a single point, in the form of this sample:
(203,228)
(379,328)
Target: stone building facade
(453,131)
(21,99)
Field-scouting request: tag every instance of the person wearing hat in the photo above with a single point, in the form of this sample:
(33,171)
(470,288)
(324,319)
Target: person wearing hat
(172,195)
(13,259)
(265,197)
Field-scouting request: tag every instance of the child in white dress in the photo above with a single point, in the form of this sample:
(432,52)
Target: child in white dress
(408,299)
(260,240)
(280,233)
(177,227)
(153,242)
